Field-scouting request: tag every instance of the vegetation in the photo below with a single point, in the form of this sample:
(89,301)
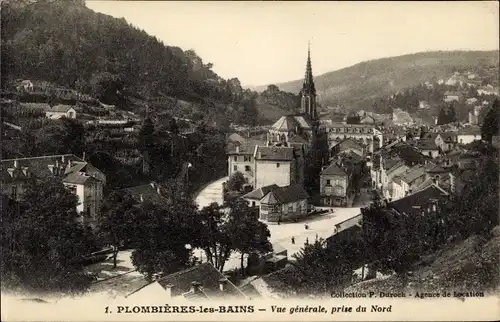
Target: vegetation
(43,241)
(491,120)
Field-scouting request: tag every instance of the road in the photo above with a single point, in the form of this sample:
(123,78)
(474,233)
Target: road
(321,225)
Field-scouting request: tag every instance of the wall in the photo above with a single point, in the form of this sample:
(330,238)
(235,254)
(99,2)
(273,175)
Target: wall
(267,173)
(468,138)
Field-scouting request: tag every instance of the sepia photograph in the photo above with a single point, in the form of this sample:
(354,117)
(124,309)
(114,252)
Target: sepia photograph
(249,160)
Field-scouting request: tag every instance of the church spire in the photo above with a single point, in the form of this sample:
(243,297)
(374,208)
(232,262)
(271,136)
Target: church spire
(308,102)
(308,79)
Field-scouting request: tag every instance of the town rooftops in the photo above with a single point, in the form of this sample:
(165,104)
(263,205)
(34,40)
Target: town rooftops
(334,169)
(303,120)
(452,93)
(241,149)
(209,279)
(274,153)
(412,174)
(72,169)
(469,130)
(415,203)
(147,192)
(258,194)
(283,195)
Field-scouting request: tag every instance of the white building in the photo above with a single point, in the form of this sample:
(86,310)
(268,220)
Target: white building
(59,111)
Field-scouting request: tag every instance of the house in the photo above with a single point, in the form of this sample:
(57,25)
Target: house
(446,141)
(420,203)
(423,105)
(389,169)
(240,159)
(277,165)
(151,192)
(455,80)
(254,197)
(200,282)
(450,96)
(336,186)
(367,119)
(406,182)
(469,134)
(25,86)
(77,175)
(58,111)
(284,203)
(428,148)
(350,233)
(487,90)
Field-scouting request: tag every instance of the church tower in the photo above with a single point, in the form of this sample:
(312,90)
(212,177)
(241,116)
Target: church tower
(308,102)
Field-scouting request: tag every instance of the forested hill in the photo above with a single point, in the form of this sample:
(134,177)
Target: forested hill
(376,78)
(64,42)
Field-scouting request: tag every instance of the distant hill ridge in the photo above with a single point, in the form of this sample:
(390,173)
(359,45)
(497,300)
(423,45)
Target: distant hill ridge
(352,85)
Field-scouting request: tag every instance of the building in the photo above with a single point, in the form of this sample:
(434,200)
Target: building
(241,159)
(406,182)
(420,203)
(284,204)
(400,117)
(336,186)
(446,141)
(451,96)
(469,134)
(200,282)
(389,169)
(424,105)
(364,133)
(348,145)
(428,148)
(277,165)
(79,176)
(25,86)
(58,111)
(151,192)
(254,197)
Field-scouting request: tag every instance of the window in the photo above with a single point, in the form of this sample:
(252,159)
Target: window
(247,168)
(328,182)
(430,153)
(235,158)
(235,168)
(253,203)
(277,165)
(246,158)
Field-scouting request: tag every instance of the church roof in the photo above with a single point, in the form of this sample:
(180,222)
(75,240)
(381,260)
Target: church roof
(285,123)
(304,121)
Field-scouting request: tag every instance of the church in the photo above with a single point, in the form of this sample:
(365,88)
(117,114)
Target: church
(288,146)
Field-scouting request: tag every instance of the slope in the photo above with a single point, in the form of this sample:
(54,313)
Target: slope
(352,85)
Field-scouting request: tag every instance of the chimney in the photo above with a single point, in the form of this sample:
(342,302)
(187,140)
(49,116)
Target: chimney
(259,155)
(62,159)
(141,198)
(83,157)
(25,171)
(222,284)
(158,189)
(51,168)
(237,149)
(152,184)
(16,164)
(11,171)
(168,288)
(195,287)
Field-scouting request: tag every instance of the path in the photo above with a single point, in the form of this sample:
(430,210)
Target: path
(211,193)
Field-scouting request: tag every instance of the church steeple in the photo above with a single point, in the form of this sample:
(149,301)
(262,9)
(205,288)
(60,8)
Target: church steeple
(308,102)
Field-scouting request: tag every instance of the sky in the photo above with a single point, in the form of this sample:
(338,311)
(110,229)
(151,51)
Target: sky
(266,42)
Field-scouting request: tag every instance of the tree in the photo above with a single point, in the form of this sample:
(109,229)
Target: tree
(214,236)
(106,87)
(249,235)
(43,241)
(236,182)
(162,233)
(489,127)
(116,222)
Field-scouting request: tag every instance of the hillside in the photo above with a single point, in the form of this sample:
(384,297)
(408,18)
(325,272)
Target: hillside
(62,42)
(470,265)
(375,78)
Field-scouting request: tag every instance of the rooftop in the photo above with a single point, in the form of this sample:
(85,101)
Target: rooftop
(334,169)
(414,203)
(274,153)
(283,195)
(258,194)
